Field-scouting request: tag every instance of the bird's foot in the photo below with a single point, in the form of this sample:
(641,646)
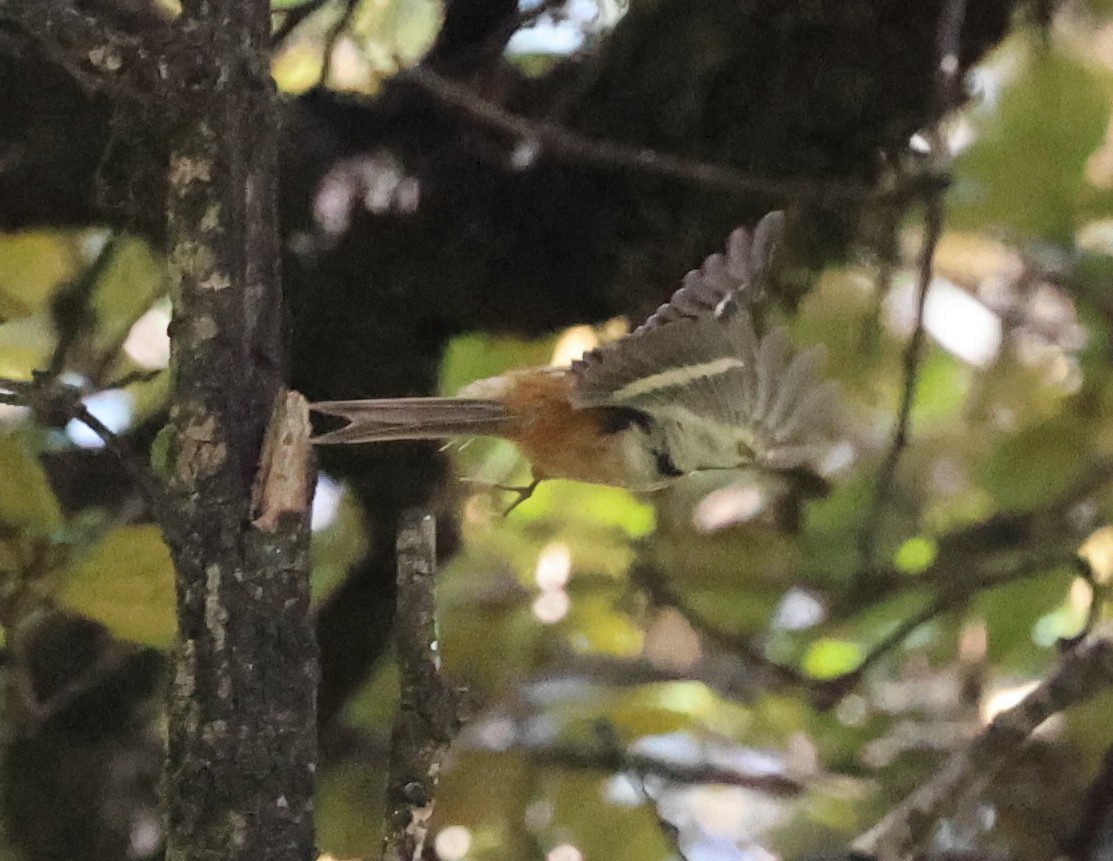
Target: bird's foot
(524,491)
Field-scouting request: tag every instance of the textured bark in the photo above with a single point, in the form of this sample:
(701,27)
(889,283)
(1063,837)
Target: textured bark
(813,90)
(427,718)
(241,712)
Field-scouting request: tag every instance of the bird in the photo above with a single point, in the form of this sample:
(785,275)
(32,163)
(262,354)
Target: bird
(693,388)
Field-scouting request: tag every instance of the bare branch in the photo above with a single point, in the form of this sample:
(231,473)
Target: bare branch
(54,403)
(153,493)
(428,716)
(561,142)
(910,362)
(1083,674)
(333,37)
(98,55)
(946,96)
(70,306)
(661,592)
(608,754)
(292,17)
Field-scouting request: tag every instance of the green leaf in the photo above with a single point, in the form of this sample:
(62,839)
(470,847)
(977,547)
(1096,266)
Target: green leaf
(1011,613)
(27,504)
(126,583)
(1026,167)
(31,266)
(1038,462)
(828,658)
(915,555)
(133,279)
(475,357)
(25,345)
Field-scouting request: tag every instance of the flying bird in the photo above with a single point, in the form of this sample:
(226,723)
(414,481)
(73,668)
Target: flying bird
(694,388)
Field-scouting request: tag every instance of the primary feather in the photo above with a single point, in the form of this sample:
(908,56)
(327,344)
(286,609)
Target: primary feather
(696,387)
(722,396)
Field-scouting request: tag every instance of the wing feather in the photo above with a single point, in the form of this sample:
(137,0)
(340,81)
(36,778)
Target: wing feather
(738,277)
(722,395)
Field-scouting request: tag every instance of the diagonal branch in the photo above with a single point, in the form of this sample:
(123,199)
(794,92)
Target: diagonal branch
(562,142)
(1084,673)
(99,56)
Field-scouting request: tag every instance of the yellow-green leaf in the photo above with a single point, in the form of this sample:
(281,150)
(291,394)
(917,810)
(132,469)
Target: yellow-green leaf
(25,345)
(915,555)
(1025,170)
(126,583)
(31,266)
(27,504)
(132,280)
(828,658)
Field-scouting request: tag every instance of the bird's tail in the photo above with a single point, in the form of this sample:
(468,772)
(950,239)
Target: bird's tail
(385,419)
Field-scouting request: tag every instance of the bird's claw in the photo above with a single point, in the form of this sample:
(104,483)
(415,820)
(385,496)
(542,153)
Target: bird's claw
(524,491)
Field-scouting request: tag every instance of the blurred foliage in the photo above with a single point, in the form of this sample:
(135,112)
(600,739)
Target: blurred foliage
(567,652)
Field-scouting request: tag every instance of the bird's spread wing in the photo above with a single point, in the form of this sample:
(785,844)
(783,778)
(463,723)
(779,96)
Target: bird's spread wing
(722,395)
(739,275)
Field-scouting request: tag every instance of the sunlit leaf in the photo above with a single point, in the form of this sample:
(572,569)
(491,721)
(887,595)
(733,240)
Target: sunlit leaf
(133,278)
(595,504)
(25,345)
(1012,612)
(475,357)
(828,658)
(126,583)
(27,504)
(397,32)
(915,555)
(32,265)
(1025,169)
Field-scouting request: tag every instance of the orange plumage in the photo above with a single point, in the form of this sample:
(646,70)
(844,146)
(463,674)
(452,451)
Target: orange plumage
(693,388)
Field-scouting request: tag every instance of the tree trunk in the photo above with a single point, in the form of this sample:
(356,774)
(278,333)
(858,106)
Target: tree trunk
(242,743)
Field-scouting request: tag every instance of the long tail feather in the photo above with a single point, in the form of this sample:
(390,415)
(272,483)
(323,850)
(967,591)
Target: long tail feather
(386,419)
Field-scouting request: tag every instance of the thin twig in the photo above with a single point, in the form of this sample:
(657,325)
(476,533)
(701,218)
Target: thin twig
(824,693)
(37,711)
(292,17)
(910,364)
(833,690)
(49,399)
(153,493)
(1083,674)
(614,756)
(428,716)
(70,305)
(333,36)
(559,141)
(97,56)
(946,97)
(668,830)
(661,593)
